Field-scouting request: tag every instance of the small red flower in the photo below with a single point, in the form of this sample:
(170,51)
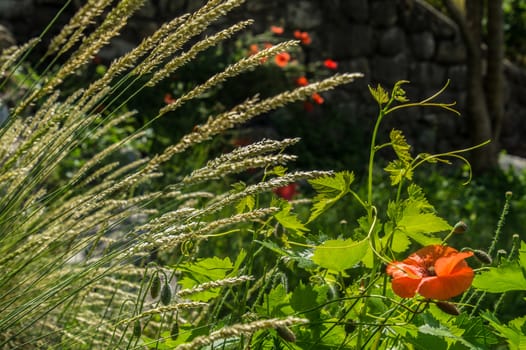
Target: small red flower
(267,45)
(253,49)
(302,81)
(282,59)
(331,64)
(308,106)
(286,192)
(317,98)
(168,98)
(435,272)
(304,37)
(276,30)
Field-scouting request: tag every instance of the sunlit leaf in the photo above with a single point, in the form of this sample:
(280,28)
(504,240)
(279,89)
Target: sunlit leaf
(329,190)
(379,94)
(208,269)
(290,221)
(400,242)
(514,335)
(338,255)
(397,171)
(248,202)
(504,278)
(417,198)
(398,92)
(201,271)
(400,146)
(419,226)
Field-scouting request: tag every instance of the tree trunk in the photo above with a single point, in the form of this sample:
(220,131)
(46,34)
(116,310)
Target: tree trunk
(478,116)
(494,82)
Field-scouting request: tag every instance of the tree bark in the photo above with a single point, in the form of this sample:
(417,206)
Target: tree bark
(494,82)
(478,116)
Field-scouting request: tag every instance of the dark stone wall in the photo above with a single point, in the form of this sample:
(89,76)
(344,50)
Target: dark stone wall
(387,40)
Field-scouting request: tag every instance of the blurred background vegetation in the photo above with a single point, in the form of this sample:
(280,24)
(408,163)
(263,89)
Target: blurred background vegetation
(329,139)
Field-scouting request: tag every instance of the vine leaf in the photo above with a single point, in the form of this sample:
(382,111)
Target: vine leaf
(419,226)
(329,190)
(379,94)
(289,220)
(418,198)
(248,202)
(509,276)
(399,93)
(397,171)
(338,255)
(400,146)
(204,270)
(400,168)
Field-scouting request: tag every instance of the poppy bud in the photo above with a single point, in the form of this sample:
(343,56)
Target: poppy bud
(285,333)
(448,308)
(166,294)
(174,332)
(460,227)
(482,256)
(155,286)
(502,252)
(509,194)
(137,330)
(349,326)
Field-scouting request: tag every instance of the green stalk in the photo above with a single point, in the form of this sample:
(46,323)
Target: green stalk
(372,152)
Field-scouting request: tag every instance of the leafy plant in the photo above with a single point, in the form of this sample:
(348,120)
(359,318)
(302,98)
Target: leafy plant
(359,309)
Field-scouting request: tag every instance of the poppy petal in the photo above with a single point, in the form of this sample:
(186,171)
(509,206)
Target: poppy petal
(405,287)
(447,265)
(406,279)
(446,287)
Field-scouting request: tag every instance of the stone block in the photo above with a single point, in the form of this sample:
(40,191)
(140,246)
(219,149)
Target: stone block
(389,70)
(391,42)
(450,52)
(354,41)
(427,74)
(423,45)
(383,13)
(356,10)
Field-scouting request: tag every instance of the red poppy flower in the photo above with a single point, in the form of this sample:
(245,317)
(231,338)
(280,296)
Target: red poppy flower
(253,49)
(286,192)
(168,98)
(317,98)
(282,59)
(302,81)
(435,272)
(304,37)
(276,30)
(331,64)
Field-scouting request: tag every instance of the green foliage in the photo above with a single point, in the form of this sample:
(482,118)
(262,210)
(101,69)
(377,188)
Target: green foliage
(508,276)
(339,255)
(208,256)
(329,190)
